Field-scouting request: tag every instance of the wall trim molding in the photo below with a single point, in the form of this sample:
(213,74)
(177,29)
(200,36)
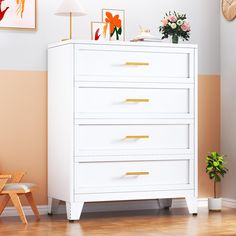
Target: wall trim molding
(119,206)
(107,207)
(229,202)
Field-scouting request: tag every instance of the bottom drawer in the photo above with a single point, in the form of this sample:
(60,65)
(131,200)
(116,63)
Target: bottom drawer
(133,176)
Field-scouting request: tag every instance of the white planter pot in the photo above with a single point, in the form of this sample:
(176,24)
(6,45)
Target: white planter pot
(214,204)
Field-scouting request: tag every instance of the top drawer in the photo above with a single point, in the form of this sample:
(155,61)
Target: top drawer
(113,65)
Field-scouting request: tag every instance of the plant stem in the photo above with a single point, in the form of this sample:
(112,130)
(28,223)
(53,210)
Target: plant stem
(117,35)
(112,33)
(214,189)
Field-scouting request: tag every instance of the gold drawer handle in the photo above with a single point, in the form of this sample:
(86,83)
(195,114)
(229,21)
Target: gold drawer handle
(137,100)
(137,173)
(132,63)
(137,137)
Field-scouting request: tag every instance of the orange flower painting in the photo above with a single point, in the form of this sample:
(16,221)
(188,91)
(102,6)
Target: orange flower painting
(116,20)
(18,14)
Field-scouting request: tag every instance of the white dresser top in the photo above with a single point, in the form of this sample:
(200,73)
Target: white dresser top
(122,43)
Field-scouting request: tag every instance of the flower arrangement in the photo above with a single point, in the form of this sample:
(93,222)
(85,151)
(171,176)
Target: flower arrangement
(175,25)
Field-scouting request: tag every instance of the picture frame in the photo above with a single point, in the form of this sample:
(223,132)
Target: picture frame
(18,14)
(116,19)
(100,31)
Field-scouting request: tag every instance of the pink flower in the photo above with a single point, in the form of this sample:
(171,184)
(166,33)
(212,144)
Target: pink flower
(185,27)
(172,18)
(164,22)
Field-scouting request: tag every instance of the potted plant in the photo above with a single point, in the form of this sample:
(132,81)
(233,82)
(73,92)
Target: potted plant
(216,170)
(176,26)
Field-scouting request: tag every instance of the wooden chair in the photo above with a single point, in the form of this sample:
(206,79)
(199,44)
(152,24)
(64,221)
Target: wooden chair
(11,188)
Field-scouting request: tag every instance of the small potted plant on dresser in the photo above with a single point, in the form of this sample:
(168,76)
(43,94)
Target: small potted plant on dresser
(216,170)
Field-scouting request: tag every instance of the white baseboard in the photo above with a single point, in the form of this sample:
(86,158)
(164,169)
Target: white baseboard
(108,207)
(11,211)
(118,206)
(228,202)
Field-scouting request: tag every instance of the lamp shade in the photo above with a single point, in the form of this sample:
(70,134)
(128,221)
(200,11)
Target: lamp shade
(73,7)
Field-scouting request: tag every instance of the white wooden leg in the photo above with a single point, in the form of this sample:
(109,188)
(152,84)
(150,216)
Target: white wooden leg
(192,205)
(74,210)
(164,203)
(53,205)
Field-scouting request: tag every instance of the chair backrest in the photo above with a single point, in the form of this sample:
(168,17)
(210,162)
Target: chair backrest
(17,177)
(14,178)
(3,180)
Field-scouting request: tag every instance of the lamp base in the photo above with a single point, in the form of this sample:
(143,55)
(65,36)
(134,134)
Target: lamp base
(65,39)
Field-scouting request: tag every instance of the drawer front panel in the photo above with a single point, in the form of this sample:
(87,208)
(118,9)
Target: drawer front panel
(115,138)
(120,101)
(125,176)
(138,64)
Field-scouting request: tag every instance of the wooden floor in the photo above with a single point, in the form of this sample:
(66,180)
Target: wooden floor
(175,222)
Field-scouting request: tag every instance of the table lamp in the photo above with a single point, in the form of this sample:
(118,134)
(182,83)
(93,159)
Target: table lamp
(71,8)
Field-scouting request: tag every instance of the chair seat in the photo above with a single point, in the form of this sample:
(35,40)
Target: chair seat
(18,186)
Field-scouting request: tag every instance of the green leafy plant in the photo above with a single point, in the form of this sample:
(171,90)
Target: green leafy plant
(215,168)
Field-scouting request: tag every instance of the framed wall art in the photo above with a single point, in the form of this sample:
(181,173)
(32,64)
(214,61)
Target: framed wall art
(100,31)
(116,19)
(18,14)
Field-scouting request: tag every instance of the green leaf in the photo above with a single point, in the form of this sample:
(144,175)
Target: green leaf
(112,33)
(215,163)
(209,168)
(212,175)
(119,31)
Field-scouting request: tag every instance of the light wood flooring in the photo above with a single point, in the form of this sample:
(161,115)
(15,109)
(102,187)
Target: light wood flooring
(176,222)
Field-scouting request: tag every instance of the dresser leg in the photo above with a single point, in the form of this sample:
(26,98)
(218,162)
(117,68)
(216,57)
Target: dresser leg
(53,205)
(192,205)
(165,203)
(74,210)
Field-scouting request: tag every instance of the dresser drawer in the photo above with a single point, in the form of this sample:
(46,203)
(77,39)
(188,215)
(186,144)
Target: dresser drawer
(132,176)
(134,139)
(158,64)
(148,103)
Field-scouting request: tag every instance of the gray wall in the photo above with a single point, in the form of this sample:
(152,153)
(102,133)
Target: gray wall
(228,104)
(27,50)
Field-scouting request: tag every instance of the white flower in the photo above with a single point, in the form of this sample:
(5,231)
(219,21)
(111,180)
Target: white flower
(169,24)
(180,22)
(173,26)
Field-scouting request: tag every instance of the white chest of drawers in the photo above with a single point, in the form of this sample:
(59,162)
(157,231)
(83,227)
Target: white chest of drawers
(122,123)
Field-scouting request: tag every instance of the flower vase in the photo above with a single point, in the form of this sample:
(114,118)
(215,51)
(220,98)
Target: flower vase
(175,38)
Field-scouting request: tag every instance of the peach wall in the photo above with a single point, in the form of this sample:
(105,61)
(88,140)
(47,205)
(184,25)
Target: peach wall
(23,137)
(23,127)
(209,126)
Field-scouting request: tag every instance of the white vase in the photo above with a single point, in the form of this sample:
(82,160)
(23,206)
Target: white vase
(214,204)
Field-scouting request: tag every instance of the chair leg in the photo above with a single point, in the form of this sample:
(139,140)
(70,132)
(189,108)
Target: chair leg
(16,201)
(4,202)
(31,201)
